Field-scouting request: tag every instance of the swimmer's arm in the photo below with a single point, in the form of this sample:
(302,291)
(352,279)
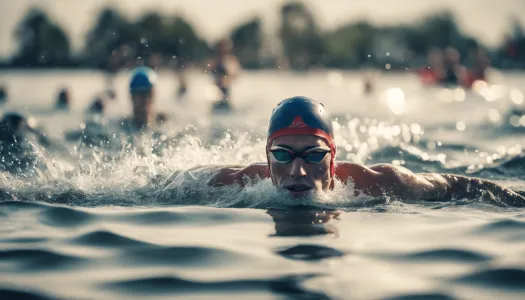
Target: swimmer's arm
(234,174)
(459,187)
(387,180)
(390,180)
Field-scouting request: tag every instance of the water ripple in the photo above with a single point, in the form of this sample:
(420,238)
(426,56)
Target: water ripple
(65,217)
(9,293)
(452,255)
(422,296)
(288,285)
(189,256)
(106,239)
(39,259)
(507,278)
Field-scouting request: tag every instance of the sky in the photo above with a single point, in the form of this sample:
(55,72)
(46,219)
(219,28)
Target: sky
(487,20)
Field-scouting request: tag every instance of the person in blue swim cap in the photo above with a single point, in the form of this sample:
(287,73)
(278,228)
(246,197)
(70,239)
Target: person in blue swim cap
(301,159)
(142,90)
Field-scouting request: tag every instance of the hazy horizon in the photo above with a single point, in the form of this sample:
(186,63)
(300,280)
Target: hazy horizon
(486,20)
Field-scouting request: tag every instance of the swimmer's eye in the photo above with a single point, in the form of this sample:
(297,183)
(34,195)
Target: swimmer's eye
(315,157)
(282,156)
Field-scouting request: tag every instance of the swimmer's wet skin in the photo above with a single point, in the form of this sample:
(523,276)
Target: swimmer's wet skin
(300,159)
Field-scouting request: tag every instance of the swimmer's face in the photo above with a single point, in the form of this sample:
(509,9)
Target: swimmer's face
(298,176)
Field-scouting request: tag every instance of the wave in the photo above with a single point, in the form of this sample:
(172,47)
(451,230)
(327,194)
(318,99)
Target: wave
(496,277)
(10,293)
(35,259)
(287,285)
(422,296)
(447,255)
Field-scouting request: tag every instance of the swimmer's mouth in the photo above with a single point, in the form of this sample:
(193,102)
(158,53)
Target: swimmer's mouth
(299,189)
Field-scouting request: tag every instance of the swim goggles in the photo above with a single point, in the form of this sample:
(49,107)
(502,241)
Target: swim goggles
(286,156)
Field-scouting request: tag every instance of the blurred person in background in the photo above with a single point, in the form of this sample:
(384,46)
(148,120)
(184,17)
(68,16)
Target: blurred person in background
(142,89)
(224,68)
(435,70)
(19,136)
(98,106)
(104,133)
(3,94)
(179,67)
(454,71)
(116,60)
(480,64)
(63,99)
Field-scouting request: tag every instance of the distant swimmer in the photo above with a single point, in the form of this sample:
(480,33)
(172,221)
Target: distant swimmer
(63,99)
(224,68)
(434,72)
(179,66)
(183,85)
(300,152)
(480,64)
(3,95)
(116,134)
(17,134)
(98,106)
(454,72)
(368,84)
(142,89)
(117,59)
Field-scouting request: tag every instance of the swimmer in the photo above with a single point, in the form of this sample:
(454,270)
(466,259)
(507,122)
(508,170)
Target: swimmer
(369,83)
(3,95)
(142,92)
(179,66)
(63,99)
(183,85)
(301,152)
(480,64)
(16,150)
(98,106)
(435,71)
(454,72)
(224,68)
(108,134)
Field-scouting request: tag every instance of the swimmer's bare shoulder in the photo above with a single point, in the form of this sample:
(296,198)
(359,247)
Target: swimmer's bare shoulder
(228,175)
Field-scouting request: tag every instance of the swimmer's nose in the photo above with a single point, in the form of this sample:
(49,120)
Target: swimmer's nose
(297,169)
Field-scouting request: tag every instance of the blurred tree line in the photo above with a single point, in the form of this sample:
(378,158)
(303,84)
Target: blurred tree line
(155,39)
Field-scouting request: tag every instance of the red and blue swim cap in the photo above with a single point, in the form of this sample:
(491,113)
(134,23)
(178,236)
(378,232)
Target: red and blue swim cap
(302,116)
